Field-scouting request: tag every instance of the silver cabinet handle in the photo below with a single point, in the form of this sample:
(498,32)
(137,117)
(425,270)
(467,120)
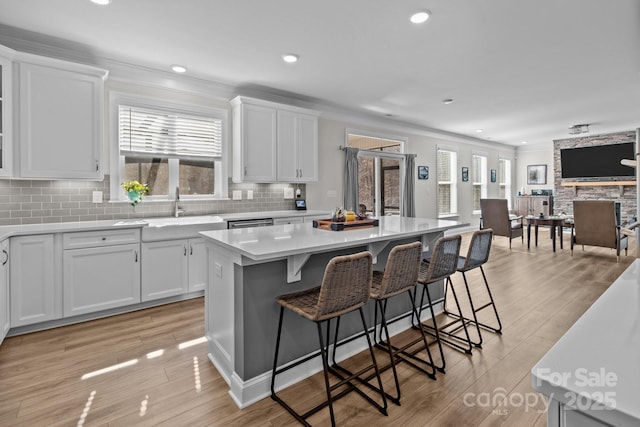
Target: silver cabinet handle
(190,249)
(185,250)
(136,256)
(6,257)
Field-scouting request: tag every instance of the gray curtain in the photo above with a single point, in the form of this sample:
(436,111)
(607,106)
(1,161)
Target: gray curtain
(351,179)
(408,194)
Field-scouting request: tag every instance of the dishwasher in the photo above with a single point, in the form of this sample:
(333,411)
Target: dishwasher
(246,223)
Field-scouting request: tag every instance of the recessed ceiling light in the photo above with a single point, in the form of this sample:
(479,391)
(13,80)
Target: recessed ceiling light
(179,68)
(479,130)
(525,142)
(447,101)
(420,17)
(290,58)
(101,2)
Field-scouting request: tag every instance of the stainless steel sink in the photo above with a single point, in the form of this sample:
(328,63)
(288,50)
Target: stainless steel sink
(185,227)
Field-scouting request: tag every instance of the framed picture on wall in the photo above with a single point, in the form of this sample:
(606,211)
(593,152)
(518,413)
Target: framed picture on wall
(493,175)
(465,174)
(423,172)
(536,174)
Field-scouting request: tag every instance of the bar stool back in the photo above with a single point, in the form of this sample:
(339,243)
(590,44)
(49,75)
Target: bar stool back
(345,288)
(400,276)
(477,256)
(440,265)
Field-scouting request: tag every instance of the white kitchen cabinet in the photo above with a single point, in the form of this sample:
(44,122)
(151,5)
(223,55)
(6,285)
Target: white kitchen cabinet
(297,147)
(288,220)
(173,267)
(60,119)
(100,278)
(254,142)
(5,319)
(101,270)
(6,110)
(273,142)
(36,295)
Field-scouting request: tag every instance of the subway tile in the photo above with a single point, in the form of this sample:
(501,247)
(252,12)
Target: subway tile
(12,221)
(34,220)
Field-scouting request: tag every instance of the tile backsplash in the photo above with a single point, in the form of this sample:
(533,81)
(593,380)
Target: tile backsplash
(37,202)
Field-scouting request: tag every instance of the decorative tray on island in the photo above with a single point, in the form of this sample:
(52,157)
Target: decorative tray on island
(328,224)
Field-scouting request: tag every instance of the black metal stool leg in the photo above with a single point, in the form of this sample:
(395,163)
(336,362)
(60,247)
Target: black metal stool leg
(425,291)
(325,368)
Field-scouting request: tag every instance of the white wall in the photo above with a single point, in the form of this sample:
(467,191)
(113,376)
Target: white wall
(327,193)
(538,154)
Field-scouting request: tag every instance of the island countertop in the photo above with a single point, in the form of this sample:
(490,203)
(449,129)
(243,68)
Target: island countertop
(594,369)
(262,243)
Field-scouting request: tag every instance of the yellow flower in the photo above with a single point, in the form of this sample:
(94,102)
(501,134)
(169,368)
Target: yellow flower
(135,186)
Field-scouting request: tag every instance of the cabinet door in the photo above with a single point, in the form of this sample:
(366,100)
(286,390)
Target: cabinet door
(522,205)
(307,148)
(6,108)
(288,170)
(258,141)
(165,269)
(100,278)
(4,290)
(297,147)
(34,294)
(60,123)
(198,271)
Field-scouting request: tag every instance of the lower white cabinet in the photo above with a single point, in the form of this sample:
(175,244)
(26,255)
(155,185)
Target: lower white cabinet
(173,267)
(100,278)
(5,321)
(288,220)
(36,295)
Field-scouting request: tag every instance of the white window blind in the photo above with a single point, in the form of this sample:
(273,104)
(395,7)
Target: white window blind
(156,133)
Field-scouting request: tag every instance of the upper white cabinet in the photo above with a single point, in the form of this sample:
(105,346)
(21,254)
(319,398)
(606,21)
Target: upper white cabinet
(60,119)
(6,109)
(297,147)
(273,142)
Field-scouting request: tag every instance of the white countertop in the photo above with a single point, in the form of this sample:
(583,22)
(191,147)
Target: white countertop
(7,231)
(263,243)
(598,359)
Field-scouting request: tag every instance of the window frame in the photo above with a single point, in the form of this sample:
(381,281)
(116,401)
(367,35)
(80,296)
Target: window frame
(508,183)
(377,156)
(483,183)
(453,183)
(117,161)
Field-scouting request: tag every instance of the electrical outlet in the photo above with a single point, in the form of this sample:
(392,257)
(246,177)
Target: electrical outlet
(97,197)
(237,194)
(249,194)
(217,269)
(288,193)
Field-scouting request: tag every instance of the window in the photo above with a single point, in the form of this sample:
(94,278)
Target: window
(379,173)
(479,180)
(504,179)
(447,164)
(166,147)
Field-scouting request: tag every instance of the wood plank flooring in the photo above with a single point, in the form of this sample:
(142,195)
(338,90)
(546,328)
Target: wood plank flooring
(160,374)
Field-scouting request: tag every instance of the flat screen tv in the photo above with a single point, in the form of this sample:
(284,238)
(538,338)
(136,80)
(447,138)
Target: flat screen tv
(598,161)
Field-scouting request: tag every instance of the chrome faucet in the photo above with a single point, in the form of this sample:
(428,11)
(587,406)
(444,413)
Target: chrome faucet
(177,210)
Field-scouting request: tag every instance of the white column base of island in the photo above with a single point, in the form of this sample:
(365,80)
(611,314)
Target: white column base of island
(592,374)
(249,267)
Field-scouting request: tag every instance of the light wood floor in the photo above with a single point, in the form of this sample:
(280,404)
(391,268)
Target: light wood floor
(540,294)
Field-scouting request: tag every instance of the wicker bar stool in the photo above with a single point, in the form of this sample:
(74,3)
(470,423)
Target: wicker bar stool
(345,288)
(400,276)
(440,265)
(477,255)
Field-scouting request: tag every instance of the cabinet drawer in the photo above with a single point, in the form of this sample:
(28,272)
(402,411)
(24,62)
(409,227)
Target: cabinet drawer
(86,239)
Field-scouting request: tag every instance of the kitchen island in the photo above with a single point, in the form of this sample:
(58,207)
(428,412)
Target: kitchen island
(592,374)
(249,267)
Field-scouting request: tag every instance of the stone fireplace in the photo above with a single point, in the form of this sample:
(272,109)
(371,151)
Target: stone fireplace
(564,195)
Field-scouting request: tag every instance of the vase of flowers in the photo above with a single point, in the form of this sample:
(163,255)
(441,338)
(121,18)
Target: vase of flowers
(135,191)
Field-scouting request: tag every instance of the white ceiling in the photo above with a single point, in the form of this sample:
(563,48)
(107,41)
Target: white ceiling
(522,70)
